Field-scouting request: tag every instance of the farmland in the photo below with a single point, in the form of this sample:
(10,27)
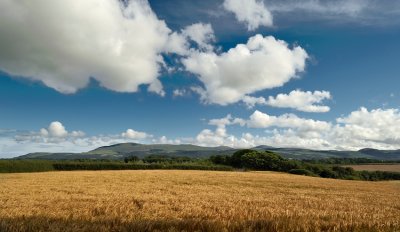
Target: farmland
(148,200)
(376,167)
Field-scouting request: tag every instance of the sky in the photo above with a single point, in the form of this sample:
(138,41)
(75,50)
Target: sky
(316,74)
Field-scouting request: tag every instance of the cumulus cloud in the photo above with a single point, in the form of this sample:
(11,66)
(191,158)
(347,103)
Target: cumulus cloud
(251,12)
(302,101)
(217,137)
(299,132)
(56,138)
(65,43)
(55,133)
(134,135)
(253,101)
(57,130)
(262,63)
(379,128)
(362,128)
(226,121)
(262,120)
(200,35)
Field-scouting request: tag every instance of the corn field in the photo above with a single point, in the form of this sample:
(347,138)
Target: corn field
(168,200)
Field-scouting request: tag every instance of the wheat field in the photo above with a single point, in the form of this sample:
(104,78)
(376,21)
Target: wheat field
(166,200)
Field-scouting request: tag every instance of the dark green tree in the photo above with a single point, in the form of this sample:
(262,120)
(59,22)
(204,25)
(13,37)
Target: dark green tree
(131,158)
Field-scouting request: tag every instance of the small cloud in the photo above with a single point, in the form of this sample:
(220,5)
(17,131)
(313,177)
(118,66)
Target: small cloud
(251,12)
(202,34)
(302,101)
(135,135)
(180,92)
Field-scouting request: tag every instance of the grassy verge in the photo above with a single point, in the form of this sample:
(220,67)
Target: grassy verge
(9,166)
(13,166)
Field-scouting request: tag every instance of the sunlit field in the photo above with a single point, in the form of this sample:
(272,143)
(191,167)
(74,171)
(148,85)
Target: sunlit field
(167,200)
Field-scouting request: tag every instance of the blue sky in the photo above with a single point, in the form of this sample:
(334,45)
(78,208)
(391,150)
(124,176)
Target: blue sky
(50,100)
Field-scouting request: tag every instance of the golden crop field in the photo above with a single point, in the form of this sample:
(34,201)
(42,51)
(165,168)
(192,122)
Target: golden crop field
(165,200)
(376,167)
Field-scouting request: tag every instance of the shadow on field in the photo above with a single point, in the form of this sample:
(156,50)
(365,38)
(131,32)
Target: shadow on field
(54,224)
(283,224)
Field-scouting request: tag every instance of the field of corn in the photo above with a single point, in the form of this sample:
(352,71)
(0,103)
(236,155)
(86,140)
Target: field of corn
(168,200)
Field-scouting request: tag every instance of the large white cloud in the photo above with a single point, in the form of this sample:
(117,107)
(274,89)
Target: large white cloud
(379,128)
(262,63)
(65,43)
(251,12)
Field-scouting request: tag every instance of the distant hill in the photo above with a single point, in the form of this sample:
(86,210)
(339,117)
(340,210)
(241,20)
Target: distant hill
(298,153)
(119,151)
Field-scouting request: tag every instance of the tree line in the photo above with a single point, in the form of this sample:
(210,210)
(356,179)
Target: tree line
(241,160)
(270,161)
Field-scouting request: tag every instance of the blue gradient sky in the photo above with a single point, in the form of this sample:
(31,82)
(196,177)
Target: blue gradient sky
(356,59)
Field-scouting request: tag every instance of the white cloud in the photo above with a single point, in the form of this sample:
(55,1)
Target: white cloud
(65,43)
(135,135)
(299,132)
(302,101)
(338,7)
(180,92)
(251,12)
(177,43)
(56,138)
(378,128)
(202,34)
(218,137)
(164,140)
(253,101)
(57,130)
(360,129)
(262,120)
(262,63)
(226,121)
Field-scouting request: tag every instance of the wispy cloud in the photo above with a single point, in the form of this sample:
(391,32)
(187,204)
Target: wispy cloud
(338,7)
(358,11)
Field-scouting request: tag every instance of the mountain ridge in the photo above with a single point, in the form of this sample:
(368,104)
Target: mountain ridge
(121,150)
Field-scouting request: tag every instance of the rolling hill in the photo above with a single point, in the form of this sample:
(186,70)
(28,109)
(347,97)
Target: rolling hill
(119,151)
